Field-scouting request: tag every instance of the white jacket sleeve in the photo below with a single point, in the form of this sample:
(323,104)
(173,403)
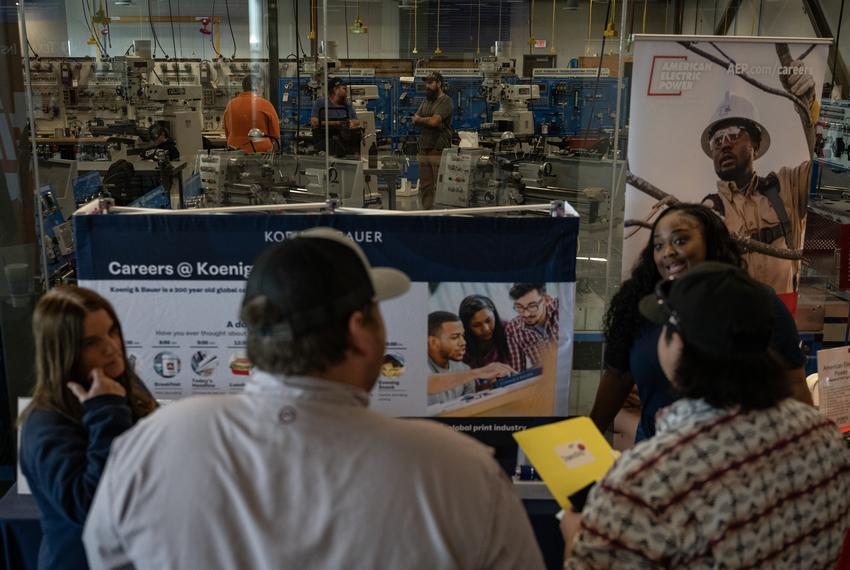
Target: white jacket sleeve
(104,547)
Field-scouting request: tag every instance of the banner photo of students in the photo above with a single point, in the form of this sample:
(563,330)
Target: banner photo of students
(728,122)
(503,290)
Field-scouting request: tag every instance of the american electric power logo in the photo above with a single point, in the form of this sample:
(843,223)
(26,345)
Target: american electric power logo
(672,75)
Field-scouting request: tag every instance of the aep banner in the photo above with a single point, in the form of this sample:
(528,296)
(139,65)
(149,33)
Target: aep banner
(486,329)
(728,122)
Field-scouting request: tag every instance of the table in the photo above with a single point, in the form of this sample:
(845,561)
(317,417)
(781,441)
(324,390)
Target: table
(20,530)
(177,167)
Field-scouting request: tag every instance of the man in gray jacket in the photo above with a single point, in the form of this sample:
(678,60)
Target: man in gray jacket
(297,472)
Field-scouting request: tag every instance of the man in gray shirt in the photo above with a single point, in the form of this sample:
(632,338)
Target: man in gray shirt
(434,117)
(452,377)
(297,472)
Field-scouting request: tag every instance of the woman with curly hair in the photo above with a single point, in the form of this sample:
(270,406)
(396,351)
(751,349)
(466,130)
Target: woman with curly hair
(85,396)
(682,237)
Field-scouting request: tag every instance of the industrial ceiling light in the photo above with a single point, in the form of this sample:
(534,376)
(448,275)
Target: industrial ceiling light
(358,27)
(100,16)
(123,2)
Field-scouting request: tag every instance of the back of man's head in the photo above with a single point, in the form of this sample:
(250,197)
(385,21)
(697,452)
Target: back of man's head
(436,320)
(300,296)
(250,83)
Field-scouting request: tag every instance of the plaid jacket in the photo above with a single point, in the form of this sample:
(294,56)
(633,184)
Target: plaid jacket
(525,343)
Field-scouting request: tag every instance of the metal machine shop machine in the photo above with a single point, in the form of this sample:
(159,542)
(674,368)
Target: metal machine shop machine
(234,178)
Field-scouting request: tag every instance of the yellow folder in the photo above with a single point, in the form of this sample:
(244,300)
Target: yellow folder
(569,455)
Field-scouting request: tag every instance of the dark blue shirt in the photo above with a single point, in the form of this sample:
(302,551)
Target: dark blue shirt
(63,461)
(335,112)
(654,388)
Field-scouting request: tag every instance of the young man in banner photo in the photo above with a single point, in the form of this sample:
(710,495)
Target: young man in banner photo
(451,377)
(535,328)
(770,209)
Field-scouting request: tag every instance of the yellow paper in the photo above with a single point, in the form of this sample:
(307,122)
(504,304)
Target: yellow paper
(569,455)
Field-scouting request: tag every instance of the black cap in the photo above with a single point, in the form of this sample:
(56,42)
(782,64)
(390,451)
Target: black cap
(434,76)
(334,82)
(717,308)
(317,278)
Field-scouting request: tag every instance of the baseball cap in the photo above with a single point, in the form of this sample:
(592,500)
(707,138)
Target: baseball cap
(717,308)
(317,278)
(434,76)
(334,82)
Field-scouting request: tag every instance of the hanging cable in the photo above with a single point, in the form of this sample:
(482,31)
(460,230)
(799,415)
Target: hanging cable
(552,47)
(31,48)
(153,31)
(531,27)
(298,44)
(478,35)
(347,52)
(589,27)
(415,28)
(753,10)
(108,28)
(297,76)
(92,28)
(500,19)
(836,44)
(696,18)
(438,51)
(173,39)
(610,30)
(596,84)
(230,25)
(643,24)
(180,35)
(212,35)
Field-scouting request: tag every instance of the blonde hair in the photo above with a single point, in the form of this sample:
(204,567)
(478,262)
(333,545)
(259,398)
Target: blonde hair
(57,326)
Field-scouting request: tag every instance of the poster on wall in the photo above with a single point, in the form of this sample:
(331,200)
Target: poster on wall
(486,329)
(728,122)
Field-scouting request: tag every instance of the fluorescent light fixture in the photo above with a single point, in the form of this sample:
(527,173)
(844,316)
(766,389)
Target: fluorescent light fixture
(599,259)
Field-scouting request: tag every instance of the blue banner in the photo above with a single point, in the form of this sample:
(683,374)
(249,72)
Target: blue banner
(503,290)
(427,248)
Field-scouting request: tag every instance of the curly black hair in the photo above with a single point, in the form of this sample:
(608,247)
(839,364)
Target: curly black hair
(468,307)
(622,320)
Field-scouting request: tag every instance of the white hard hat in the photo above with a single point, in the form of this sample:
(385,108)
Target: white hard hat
(736,107)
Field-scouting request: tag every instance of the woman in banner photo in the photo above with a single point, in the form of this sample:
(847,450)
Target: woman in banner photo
(85,396)
(683,236)
(484,332)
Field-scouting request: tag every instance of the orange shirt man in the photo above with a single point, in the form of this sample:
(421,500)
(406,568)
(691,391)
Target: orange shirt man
(247,111)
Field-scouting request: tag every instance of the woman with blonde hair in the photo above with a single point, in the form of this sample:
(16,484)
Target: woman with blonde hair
(85,396)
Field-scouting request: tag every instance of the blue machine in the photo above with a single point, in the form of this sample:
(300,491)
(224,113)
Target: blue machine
(567,105)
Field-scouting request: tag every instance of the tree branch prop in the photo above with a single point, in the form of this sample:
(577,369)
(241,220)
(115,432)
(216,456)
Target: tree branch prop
(665,199)
(637,224)
(768,89)
(784,54)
